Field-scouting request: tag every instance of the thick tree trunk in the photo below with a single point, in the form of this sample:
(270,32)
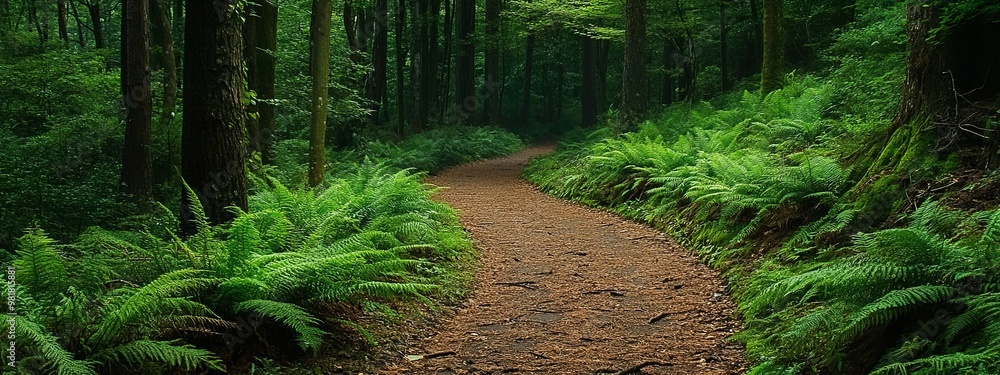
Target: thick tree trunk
(588,88)
(491,110)
(319,70)
(212,150)
(772,72)
(260,31)
(634,101)
(136,158)
(400,66)
(465,80)
(169,63)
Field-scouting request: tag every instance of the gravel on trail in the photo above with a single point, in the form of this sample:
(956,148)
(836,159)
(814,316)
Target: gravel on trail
(565,289)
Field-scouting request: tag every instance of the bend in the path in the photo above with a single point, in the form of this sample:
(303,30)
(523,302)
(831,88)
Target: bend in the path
(564,289)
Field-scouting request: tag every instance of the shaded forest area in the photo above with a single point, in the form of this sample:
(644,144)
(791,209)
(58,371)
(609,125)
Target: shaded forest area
(236,185)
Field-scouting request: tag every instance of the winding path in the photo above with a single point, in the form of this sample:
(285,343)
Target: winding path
(564,289)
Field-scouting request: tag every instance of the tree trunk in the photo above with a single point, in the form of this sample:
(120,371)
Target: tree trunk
(491,110)
(136,158)
(319,70)
(169,63)
(94,9)
(634,71)
(212,150)
(343,130)
(465,80)
(603,50)
(428,75)
(400,65)
(260,31)
(772,71)
(63,20)
(445,81)
(588,89)
(667,84)
(418,40)
(76,18)
(723,46)
(375,87)
(529,59)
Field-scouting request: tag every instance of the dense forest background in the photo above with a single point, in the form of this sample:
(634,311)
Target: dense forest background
(202,185)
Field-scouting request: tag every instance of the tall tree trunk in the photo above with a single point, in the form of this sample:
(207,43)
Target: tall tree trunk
(667,84)
(212,151)
(603,50)
(94,9)
(375,87)
(428,75)
(400,66)
(169,63)
(319,70)
(723,46)
(529,60)
(353,21)
(465,80)
(634,70)
(155,36)
(444,84)
(136,158)
(63,20)
(772,71)
(756,35)
(418,40)
(260,31)
(588,89)
(491,110)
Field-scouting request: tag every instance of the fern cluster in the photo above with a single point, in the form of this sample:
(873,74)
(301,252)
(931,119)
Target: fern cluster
(371,237)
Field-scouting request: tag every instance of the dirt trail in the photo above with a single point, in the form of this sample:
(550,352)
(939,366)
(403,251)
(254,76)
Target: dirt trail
(564,289)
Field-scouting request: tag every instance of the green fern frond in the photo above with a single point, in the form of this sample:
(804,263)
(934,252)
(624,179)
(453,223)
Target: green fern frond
(40,267)
(305,325)
(171,353)
(54,357)
(892,306)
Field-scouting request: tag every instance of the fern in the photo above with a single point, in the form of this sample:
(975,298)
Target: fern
(54,358)
(310,337)
(171,353)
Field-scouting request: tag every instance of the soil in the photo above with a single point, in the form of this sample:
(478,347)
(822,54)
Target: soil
(565,289)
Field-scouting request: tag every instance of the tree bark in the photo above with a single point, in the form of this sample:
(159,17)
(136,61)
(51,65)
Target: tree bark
(169,63)
(491,110)
(772,71)
(444,84)
(723,46)
(260,32)
(588,88)
(94,9)
(529,60)
(212,150)
(400,66)
(667,83)
(418,40)
(63,20)
(428,76)
(136,158)
(375,87)
(319,70)
(634,101)
(465,80)
(603,50)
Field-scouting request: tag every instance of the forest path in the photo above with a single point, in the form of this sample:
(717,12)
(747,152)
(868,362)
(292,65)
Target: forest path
(564,289)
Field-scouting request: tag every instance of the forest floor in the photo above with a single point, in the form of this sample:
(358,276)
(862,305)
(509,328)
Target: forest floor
(565,289)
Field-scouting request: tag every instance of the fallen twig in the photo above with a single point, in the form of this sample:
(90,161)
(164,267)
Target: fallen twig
(522,284)
(439,354)
(635,369)
(658,317)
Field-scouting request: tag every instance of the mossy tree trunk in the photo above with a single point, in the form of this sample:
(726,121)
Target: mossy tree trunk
(319,69)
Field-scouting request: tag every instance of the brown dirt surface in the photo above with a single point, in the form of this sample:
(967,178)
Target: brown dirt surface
(564,289)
